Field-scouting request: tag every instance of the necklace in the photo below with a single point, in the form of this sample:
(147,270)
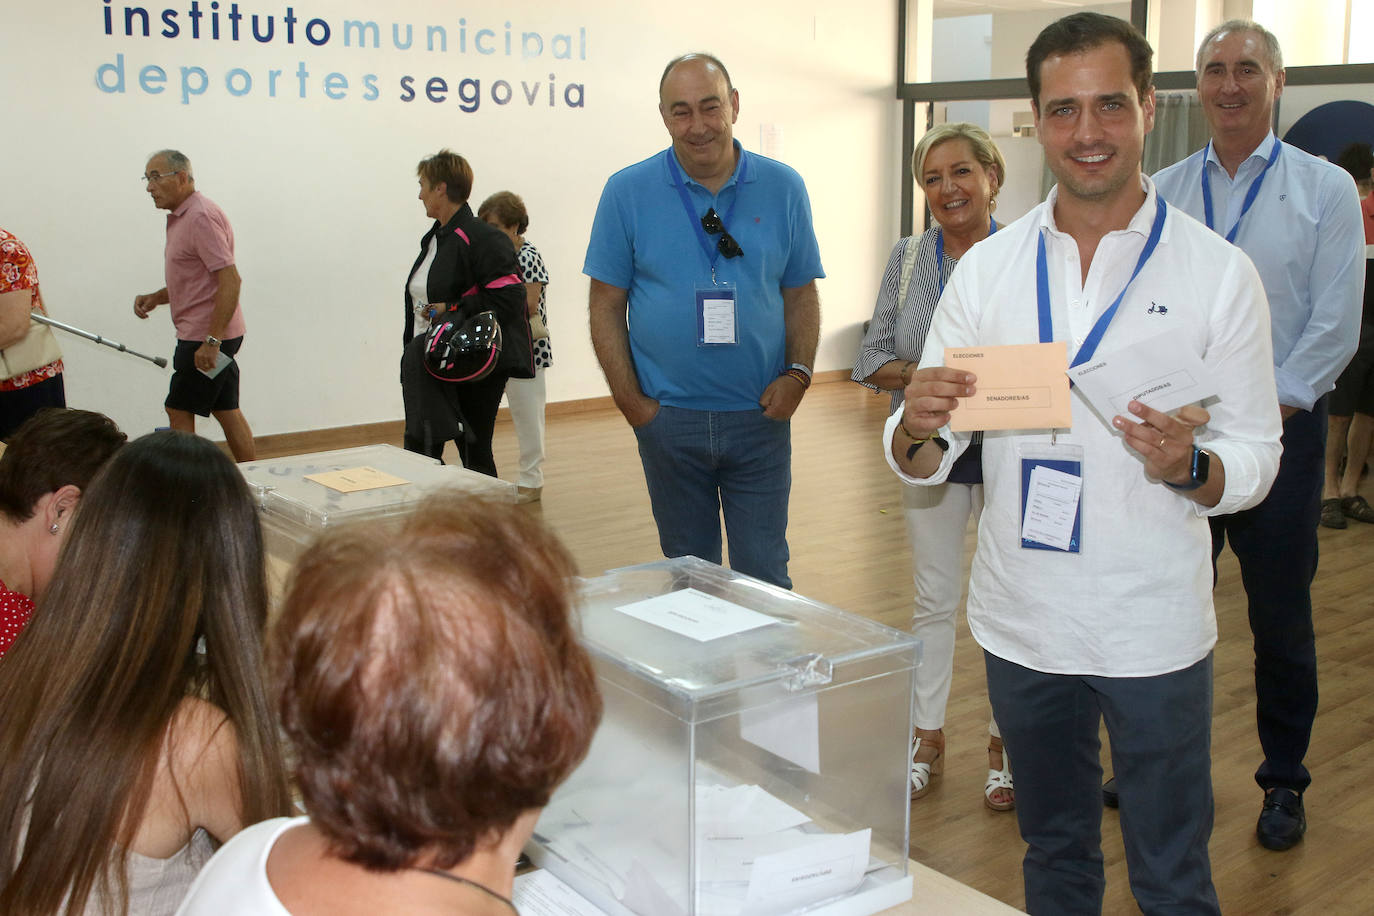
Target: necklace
(481,887)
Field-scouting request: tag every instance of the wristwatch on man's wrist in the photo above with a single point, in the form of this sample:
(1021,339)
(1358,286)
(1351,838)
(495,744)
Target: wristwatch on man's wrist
(212,340)
(1197,472)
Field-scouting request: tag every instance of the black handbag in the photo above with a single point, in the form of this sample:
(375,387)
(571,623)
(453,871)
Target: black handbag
(463,349)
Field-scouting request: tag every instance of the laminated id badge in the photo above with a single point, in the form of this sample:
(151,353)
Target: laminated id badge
(716,316)
(1051,497)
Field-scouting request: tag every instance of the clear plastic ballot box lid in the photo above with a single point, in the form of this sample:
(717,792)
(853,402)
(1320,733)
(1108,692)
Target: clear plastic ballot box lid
(753,756)
(794,646)
(285,495)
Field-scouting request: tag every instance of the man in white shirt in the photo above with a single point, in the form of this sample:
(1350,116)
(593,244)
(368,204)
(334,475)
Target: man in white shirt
(1118,624)
(1298,218)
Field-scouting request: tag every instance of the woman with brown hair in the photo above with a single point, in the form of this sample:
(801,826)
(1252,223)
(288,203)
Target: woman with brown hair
(45,467)
(435,693)
(464,268)
(136,726)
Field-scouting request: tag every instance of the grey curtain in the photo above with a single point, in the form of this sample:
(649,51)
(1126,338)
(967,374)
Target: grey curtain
(1180,130)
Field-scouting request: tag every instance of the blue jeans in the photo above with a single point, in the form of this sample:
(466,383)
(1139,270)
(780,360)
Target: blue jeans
(697,463)
(1160,729)
(1276,544)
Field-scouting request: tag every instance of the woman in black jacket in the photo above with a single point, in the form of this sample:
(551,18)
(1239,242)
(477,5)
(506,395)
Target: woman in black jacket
(465,267)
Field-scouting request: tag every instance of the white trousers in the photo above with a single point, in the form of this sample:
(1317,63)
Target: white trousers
(526,399)
(936,519)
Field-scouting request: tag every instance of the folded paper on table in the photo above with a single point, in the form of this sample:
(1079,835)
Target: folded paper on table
(1019,386)
(540,893)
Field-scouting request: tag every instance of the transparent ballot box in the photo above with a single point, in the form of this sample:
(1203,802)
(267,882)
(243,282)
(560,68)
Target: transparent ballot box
(295,510)
(753,757)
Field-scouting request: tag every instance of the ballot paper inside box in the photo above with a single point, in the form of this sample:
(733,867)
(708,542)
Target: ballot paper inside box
(753,755)
(296,507)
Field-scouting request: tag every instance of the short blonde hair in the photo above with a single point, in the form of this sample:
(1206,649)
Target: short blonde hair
(984,150)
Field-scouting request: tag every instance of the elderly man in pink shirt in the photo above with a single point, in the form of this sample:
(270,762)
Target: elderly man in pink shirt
(203,291)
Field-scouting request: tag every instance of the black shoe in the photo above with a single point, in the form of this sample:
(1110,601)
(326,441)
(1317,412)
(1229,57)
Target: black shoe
(1282,821)
(1109,796)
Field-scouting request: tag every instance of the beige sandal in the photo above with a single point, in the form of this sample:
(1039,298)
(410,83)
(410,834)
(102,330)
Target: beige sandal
(999,793)
(923,772)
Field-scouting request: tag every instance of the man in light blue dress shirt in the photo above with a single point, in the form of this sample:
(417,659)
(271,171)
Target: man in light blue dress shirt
(1298,218)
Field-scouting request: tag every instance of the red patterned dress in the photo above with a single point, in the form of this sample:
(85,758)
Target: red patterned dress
(17,271)
(15,611)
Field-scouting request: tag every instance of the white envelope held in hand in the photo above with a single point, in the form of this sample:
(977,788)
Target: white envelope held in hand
(1157,372)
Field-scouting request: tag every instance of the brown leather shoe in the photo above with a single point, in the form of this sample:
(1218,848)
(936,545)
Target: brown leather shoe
(1355,507)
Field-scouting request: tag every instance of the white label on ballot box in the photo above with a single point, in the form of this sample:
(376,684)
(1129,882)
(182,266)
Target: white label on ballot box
(539,893)
(791,729)
(696,615)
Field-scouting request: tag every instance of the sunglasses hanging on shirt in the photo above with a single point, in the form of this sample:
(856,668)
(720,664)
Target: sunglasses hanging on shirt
(713,225)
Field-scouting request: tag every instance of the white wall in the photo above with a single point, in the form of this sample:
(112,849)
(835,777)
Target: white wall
(321,192)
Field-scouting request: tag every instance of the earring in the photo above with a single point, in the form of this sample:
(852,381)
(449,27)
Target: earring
(52,529)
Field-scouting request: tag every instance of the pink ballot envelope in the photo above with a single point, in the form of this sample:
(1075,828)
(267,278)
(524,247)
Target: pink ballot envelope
(1019,386)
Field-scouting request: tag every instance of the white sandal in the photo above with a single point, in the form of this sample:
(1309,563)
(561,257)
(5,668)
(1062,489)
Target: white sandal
(923,772)
(999,780)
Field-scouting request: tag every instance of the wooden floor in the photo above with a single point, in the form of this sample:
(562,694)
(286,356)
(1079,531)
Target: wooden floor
(849,549)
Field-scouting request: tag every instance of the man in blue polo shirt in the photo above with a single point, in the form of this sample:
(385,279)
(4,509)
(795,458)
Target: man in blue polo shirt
(704,316)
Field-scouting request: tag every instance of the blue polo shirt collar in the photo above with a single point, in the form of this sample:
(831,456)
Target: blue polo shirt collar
(750,175)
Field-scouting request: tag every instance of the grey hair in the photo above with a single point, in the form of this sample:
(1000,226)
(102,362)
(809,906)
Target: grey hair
(1271,43)
(710,59)
(176,159)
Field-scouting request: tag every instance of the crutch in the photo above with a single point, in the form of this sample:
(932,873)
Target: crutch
(159,361)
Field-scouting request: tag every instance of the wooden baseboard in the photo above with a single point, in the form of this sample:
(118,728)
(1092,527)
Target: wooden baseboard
(336,437)
(326,440)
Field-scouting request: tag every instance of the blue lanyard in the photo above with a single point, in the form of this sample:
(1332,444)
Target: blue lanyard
(1042,286)
(712,251)
(940,252)
(1250,195)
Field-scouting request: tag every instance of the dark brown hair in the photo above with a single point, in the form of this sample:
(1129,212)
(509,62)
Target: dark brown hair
(54,448)
(1084,32)
(431,681)
(164,551)
(450,168)
(508,209)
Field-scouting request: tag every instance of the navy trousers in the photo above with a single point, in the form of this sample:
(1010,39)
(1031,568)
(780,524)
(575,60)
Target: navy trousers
(1276,544)
(1160,730)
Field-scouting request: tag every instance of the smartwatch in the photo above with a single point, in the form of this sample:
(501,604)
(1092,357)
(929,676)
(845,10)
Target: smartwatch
(1202,463)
